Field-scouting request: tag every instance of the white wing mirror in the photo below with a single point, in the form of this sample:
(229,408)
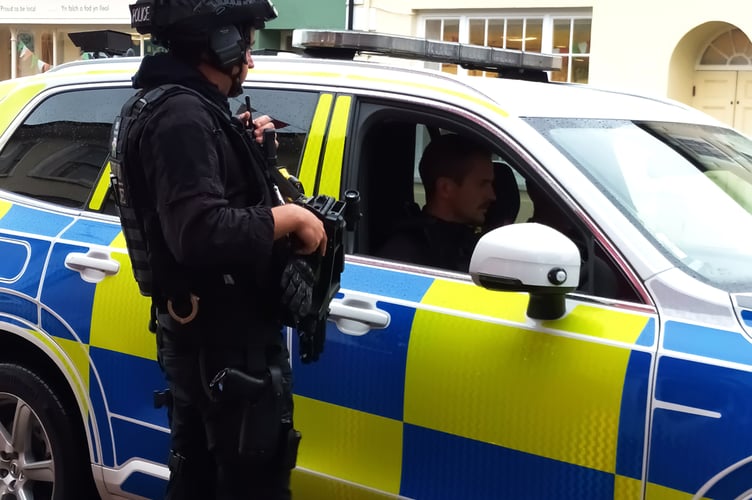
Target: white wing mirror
(531,258)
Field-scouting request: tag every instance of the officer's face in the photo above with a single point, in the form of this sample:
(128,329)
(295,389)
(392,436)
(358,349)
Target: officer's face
(472,196)
(248,57)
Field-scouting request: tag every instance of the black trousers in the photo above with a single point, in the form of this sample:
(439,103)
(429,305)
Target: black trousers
(205,460)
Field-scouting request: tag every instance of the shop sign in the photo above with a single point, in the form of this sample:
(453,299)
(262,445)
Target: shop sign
(63,10)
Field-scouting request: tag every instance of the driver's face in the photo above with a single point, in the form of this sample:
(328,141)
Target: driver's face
(474,194)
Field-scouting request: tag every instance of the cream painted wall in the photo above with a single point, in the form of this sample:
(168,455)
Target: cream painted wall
(635,50)
(644,46)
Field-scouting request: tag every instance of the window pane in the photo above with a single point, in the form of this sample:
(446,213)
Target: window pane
(580,68)
(741,42)
(478,31)
(28,55)
(713,56)
(514,34)
(533,35)
(57,153)
(449,68)
(433,29)
(724,44)
(451,30)
(496,32)
(561,75)
(561,35)
(581,36)
(293,113)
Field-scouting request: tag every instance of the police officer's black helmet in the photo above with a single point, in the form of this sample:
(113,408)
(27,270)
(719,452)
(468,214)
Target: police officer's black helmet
(222,26)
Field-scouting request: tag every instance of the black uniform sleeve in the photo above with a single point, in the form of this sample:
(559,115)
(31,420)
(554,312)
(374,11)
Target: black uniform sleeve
(181,153)
(406,247)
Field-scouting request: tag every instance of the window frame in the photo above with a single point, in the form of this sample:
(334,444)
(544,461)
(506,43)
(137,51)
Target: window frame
(548,17)
(459,120)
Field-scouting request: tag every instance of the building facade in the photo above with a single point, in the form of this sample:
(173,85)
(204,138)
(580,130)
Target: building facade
(34,33)
(696,52)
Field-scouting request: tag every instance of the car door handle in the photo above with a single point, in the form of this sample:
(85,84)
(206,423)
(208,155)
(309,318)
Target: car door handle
(357,316)
(93,266)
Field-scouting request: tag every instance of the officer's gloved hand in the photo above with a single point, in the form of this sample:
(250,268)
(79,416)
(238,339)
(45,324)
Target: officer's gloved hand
(297,283)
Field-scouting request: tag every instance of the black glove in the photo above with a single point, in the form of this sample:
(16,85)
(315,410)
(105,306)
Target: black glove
(297,284)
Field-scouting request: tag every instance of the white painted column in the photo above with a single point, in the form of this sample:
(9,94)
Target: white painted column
(54,47)
(13,52)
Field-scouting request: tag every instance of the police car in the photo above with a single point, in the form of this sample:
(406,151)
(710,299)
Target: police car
(602,352)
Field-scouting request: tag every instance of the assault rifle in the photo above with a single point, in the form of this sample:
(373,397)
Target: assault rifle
(337,216)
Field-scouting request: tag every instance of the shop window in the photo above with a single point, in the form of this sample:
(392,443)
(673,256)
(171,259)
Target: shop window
(572,42)
(30,55)
(570,35)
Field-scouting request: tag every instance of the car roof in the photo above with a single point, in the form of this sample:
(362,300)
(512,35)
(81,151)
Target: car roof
(508,96)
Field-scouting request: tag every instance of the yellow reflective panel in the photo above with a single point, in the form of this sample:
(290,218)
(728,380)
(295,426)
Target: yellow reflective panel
(549,395)
(418,87)
(97,199)
(307,485)
(331,173)
(658,492)
(603,323)
(349,444)
(74,358)
(4,208)
(79,356)
(626,488)
(14,102)
(472,299)
(119,242)
(312,152)
(120,315)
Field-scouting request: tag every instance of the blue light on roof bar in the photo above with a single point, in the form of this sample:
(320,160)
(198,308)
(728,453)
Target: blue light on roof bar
(466,55)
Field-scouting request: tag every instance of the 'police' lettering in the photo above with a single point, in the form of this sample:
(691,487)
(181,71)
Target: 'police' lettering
(141,14)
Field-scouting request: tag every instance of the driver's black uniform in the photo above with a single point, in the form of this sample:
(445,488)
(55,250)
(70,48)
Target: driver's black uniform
(212,235)
(429,241)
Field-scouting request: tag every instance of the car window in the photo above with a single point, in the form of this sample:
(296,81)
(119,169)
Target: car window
(292,112)
(393,195)
(57,153)
(687,187)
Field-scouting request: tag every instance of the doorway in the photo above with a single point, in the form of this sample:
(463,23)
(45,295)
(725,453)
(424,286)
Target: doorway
(723,80)
(726,96)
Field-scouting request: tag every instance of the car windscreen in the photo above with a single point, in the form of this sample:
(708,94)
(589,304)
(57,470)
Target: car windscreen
(687,187)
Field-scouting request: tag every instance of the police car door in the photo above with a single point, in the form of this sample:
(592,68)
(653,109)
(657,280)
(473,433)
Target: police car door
(431,387)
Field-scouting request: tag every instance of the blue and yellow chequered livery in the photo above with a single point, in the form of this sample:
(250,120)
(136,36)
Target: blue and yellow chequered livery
(398,411)
(95,332)
(471,401)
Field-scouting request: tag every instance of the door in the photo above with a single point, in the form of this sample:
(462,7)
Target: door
(743,103)
(431,387)
(726,96)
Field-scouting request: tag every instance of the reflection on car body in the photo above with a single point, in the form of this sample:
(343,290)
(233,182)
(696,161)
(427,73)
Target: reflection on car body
(525,378)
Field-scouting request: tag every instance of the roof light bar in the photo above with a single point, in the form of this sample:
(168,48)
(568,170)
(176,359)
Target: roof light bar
(465,55)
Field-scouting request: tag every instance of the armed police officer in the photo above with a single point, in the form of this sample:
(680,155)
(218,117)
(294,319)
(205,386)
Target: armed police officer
(209,242)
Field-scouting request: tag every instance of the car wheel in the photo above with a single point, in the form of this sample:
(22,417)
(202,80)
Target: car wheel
(39,459)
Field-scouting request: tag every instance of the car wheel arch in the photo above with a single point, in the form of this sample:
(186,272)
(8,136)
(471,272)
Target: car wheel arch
(18,350)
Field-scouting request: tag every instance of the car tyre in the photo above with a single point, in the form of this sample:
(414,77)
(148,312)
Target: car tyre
(39,457)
